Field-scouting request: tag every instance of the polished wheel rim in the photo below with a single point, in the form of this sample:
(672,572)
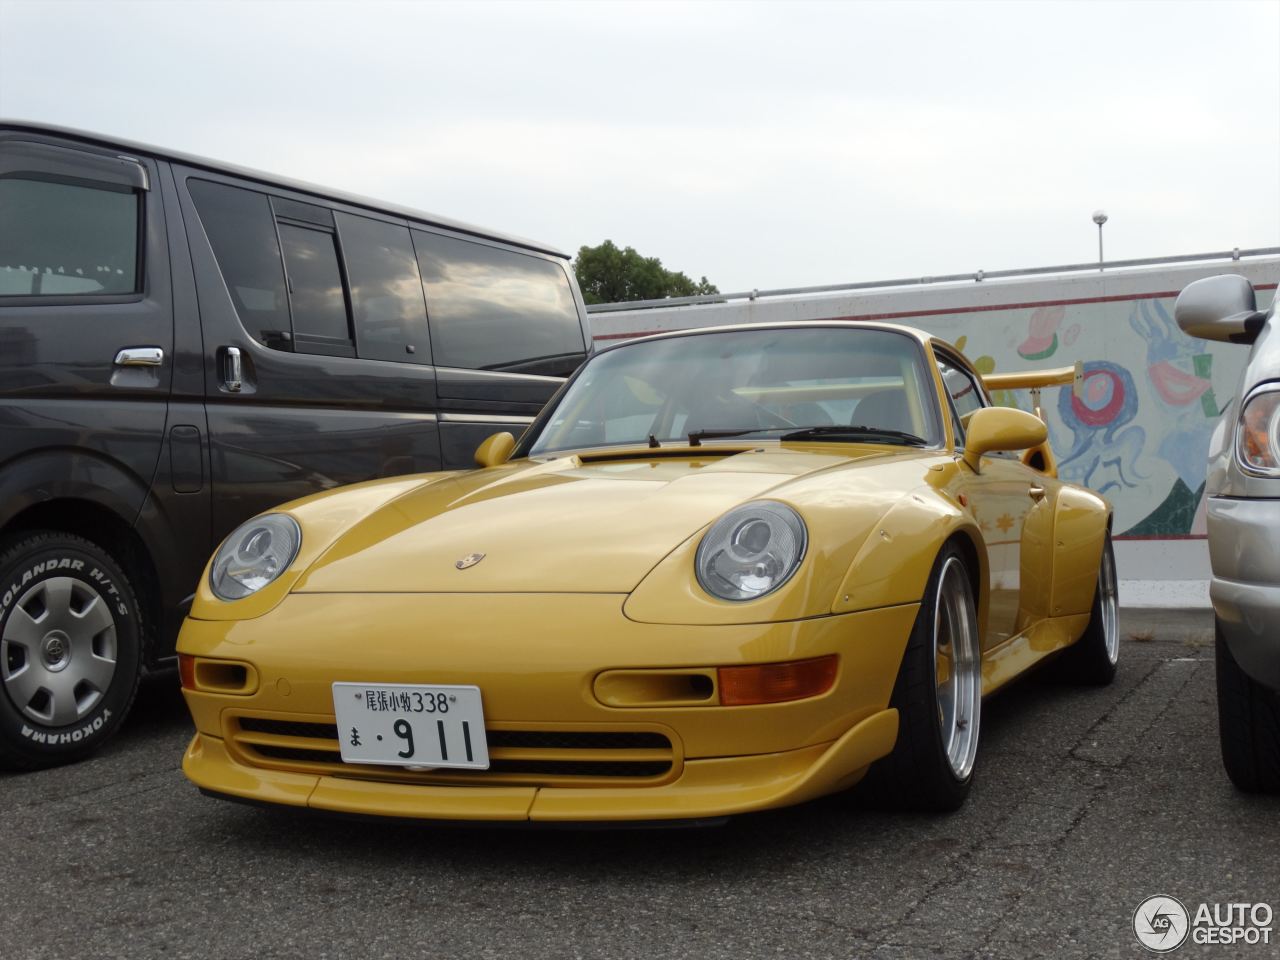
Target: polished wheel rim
(58,651)
(1109,593)
(957,668)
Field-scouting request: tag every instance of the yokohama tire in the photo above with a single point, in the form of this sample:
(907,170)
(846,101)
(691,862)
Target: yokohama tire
(70,647)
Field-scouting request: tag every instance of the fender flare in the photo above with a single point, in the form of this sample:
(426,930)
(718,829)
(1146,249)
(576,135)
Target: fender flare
(893,565)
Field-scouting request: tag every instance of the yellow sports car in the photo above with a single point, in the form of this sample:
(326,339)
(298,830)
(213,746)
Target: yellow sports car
(724,570)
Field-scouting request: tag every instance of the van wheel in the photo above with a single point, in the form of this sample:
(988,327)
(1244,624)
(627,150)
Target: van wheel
(938,695)
(70,647)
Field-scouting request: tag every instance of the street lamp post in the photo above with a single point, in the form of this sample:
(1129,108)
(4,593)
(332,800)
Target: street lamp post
(1099,217)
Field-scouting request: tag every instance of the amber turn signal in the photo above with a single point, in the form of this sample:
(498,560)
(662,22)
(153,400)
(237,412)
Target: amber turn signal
(777,682)
(1259,425)
(187,671)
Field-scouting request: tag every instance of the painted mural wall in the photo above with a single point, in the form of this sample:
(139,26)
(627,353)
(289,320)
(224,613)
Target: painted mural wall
(1138,434)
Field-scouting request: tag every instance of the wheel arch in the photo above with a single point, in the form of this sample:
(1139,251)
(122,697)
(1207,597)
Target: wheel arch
(969,540)
(87,493)
(894,563)
(69,473)
(103,526)
(1081,522)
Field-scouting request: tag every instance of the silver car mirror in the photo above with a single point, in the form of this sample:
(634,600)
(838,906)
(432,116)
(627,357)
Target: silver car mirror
(1220,308)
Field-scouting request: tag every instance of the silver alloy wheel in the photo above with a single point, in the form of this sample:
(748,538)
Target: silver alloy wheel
(58,651)
(1109,603)
(957,668)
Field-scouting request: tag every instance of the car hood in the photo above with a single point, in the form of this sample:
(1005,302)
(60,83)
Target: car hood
(589,524)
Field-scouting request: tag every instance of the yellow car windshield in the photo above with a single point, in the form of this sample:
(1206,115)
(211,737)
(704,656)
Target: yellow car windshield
(768,382)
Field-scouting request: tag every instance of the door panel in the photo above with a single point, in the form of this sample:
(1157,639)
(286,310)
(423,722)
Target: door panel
(461,434)
(477,388)
(74,293)
(1038,532)
(263,456)
(298,422)
(1000,496)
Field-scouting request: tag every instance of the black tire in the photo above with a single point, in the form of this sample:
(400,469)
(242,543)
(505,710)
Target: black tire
(1092,659)
(1248,724)
(918,774)
(70,647)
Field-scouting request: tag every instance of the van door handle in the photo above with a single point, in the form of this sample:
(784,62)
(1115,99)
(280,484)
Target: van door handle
(140,357)
(232,369)
(1037,493)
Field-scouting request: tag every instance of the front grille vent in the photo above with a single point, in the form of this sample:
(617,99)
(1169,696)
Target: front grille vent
(535,757)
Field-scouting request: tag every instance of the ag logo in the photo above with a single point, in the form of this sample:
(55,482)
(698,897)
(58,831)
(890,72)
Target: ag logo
(1161,923)
(470,560)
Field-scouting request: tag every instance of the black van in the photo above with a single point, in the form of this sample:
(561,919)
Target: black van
(184,344)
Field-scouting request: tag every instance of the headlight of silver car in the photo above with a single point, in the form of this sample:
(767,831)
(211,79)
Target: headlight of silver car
(751,550)
(254,555)
(1258,435)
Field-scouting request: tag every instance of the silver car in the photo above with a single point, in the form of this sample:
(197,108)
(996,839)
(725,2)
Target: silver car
(1243,490)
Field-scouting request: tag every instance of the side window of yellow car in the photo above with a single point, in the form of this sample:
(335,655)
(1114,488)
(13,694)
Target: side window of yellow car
(964,395)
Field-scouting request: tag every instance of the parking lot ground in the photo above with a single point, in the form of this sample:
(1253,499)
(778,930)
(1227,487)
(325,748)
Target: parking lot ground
(1087,801)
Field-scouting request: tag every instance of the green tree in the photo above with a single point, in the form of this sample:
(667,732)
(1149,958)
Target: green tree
(609,275)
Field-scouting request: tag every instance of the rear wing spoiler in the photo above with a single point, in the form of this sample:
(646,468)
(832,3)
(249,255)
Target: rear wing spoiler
(1035,379)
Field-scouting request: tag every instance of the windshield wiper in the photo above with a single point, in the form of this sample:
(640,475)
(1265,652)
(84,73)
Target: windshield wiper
(696,438)
(881,434)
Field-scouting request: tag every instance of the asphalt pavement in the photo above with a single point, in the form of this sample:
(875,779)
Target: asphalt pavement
(1086,802)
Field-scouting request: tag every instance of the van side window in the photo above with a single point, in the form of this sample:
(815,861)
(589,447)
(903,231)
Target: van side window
(64,240)
(240,229)
(494,309)
(316,293)
(386,294)
(303,309)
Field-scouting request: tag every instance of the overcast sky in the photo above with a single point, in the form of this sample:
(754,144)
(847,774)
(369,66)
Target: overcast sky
(760,144)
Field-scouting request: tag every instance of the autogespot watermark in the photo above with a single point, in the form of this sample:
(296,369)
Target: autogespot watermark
(1163,924)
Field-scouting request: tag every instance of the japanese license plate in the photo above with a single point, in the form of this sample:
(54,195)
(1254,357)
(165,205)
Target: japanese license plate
(411,725)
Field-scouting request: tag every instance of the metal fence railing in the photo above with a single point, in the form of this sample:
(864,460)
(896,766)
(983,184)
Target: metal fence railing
(977,276)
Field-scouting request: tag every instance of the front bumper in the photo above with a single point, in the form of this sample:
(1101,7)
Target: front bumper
(535,658)
(706,788)
(1244,549)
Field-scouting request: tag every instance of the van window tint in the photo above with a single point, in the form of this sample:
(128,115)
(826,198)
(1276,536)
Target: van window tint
(61,239)
(386,294)
(493,309)
(315,285)
(240,230)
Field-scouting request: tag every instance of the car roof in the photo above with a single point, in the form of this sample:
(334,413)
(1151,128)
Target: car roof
(925,338)
(276,180)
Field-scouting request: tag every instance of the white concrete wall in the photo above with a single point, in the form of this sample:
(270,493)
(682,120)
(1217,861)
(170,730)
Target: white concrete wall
(1152,395)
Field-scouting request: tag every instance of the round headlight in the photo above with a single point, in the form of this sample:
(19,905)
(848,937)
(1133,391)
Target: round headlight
(751,550)
(255,554)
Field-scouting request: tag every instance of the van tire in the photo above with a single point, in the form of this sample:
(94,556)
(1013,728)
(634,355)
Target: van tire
(1248,724)
(70,648)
